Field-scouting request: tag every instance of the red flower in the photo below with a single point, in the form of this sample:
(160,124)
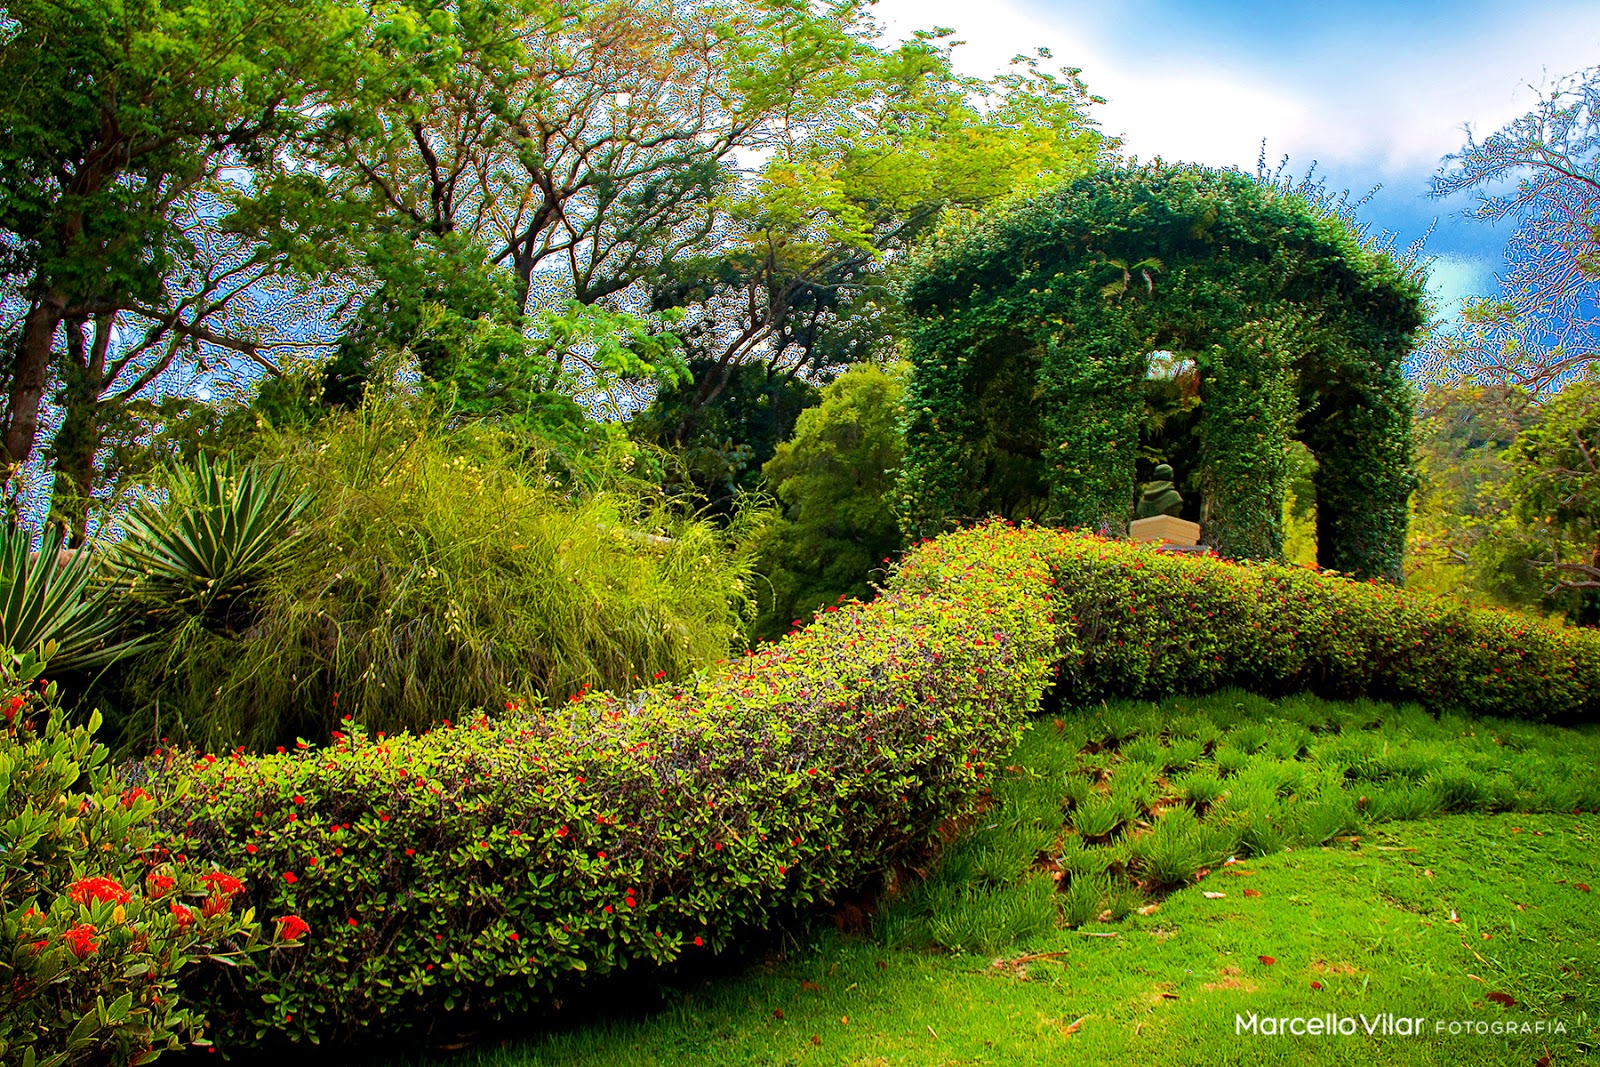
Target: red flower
(223,883)
(105,890)
(80,939)
(214,905)
(182,914)
(291,927)
(158,885)
(133,796)
(288,876)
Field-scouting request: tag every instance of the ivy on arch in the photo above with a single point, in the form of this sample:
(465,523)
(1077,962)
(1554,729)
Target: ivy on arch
(1032,331)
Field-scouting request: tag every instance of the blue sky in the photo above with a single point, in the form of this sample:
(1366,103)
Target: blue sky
(1373,92)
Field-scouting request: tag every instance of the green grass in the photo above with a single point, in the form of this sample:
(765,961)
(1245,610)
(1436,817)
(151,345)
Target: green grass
(1032,943)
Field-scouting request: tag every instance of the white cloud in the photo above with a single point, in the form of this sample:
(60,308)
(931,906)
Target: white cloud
(1394,109)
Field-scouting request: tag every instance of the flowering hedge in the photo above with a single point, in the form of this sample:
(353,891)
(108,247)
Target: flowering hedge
(479,867)
(96,922)
(1135,622)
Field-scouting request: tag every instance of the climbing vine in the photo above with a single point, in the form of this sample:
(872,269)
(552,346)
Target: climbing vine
(1032,331)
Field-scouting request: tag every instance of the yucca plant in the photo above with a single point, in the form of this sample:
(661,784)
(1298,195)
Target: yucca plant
(223,531)
(51,598)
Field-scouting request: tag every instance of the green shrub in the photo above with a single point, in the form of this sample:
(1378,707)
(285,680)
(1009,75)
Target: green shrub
(43,600)
(834,479)
(440,570)
(96,920)
(202,555)
(478,868)
(1136,622)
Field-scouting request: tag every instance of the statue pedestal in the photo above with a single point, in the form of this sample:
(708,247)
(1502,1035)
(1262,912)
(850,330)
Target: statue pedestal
(1167,528)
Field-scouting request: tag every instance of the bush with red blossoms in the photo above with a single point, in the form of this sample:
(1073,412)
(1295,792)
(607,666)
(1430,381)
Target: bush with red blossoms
(479,870)
(93,928)
(1136,622)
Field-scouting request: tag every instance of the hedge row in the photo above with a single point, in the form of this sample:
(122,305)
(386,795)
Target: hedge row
(480,867)
(1135,622)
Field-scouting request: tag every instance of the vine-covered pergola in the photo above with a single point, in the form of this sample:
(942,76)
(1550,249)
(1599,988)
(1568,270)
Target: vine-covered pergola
(1032,333)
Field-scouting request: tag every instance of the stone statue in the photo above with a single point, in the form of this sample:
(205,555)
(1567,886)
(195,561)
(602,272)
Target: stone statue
(1160,497)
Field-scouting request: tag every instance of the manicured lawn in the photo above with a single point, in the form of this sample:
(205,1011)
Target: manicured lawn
(1031,943)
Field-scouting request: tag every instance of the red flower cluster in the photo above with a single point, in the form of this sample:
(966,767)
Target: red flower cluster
(133,796)
(105,890)
(291,927)
(13,707)
(184,915)
(158,885)
(222,883)
(80,939)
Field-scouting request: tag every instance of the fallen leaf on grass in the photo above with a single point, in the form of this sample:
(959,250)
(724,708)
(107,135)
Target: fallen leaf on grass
(777,1013)
(1582,887)
(1503,999)
(1268,960)
(1252,892)
(1072,1028)
(1215,896)
(808,984)
(1316,985)
(1542,1061)
(1454,918)
(1426,873)
(1149,909)
(1474,977)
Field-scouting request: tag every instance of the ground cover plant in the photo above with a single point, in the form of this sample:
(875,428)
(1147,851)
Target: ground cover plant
(1469,905)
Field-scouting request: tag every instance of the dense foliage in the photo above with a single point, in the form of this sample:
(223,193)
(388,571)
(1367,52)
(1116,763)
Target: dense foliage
(433,570)
(734,430)
(1034,334)
(834,478)
(479,868)
(1506,512)
(1145,624)
(97,919)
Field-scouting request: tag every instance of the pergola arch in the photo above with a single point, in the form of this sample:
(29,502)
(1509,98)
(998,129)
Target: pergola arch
(1031,331)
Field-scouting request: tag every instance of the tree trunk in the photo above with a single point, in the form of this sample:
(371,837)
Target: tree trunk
(29,375)
(82,429)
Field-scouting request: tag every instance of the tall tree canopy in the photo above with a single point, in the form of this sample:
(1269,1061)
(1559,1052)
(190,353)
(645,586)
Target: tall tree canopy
(1541,171)
(143,143)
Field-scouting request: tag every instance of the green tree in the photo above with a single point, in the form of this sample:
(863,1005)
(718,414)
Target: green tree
(1555,494)
(1462,513)
(567,154)
(735,436)
(142,143)
(799,280)
(834,480)
(1542,171)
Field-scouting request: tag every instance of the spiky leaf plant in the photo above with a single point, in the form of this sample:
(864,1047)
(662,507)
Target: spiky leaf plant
(223,531)
(51,597)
